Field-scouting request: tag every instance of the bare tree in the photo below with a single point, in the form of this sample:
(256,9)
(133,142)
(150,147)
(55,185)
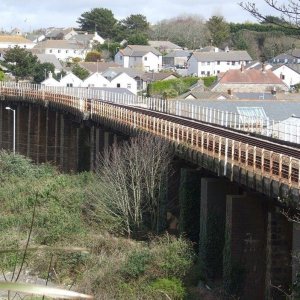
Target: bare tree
(186,30)
(289,11)
(131,179)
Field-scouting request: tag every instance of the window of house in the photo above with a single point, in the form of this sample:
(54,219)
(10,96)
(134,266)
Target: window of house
(69,84)
(228,63)
(145,58)
(67,51)
(208,73)
(25,46)
(218,62)
(129,85)
(104,85)
(50,51)
(233,63)
(282,76)
(218,71)
(202,72)
(58,51)
(118,85)
(208,63)
(74,51)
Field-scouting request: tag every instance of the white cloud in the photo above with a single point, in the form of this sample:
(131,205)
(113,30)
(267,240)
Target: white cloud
(60,13)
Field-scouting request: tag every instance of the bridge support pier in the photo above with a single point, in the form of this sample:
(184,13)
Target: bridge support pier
(279,250)
(189,203)
(212,224)
(245,246)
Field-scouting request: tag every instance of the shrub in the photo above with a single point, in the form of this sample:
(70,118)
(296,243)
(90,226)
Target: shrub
(136,263)
(172,287)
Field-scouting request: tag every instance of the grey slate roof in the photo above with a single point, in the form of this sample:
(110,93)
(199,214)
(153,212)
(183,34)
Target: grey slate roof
(62,44)
(178,53)
(112,72)
(164,45)
(222,56)
(139,50)
(275,109)
(50,58)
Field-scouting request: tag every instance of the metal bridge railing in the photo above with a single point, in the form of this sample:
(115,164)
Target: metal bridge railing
(264,126)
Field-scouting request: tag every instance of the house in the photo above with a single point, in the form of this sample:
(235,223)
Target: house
(60,34)
(122,80)
(164,46)
(142,57)
(289,73)
(99,66)
(71,80)
(249,81)
(96,80)
(12,41)
(289,57)
(212,63)
(177,58)
(88,39)
(50,58)
(62,49)
(50,81)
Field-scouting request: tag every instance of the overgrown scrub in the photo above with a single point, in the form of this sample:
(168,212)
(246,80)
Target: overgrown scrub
(65,218)
(141,271)
(172,87)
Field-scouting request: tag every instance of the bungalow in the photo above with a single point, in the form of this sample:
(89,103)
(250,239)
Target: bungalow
(71,80)
(142,57)
(50,81)
(96,80)
(249,81)
(122,80)
(212,63)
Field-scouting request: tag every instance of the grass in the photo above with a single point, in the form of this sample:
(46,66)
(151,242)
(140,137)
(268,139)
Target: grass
(114,267)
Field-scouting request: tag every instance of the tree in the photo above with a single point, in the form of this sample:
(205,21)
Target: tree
(219,30)
(137,39)
(131,181)
(80,72)
(41,71)
(289,13)
(20,62)
(185,30)
(101,20)
(93,56)
(134,24)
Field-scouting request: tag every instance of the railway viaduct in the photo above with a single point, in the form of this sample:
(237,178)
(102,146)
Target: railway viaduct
(228,187)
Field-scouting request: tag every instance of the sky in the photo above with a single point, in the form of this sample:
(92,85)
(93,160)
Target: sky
(28,15)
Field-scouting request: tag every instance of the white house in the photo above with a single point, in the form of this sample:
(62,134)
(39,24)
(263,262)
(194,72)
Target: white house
(88,40)
(71,80)
(62,49)
(50,81)
(289,74)
(12,41)
(212,63)
(139,56)
(122,80)
(96,80)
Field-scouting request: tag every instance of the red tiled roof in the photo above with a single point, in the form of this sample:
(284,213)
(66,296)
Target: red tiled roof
(250,76)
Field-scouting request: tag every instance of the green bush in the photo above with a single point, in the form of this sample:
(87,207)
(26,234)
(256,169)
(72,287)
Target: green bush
(171,287)
(179,85)
(209,80)
(136,263)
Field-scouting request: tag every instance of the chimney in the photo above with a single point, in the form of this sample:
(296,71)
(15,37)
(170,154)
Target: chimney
(229,92)
(263,67)
(50,75)
(242,68)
